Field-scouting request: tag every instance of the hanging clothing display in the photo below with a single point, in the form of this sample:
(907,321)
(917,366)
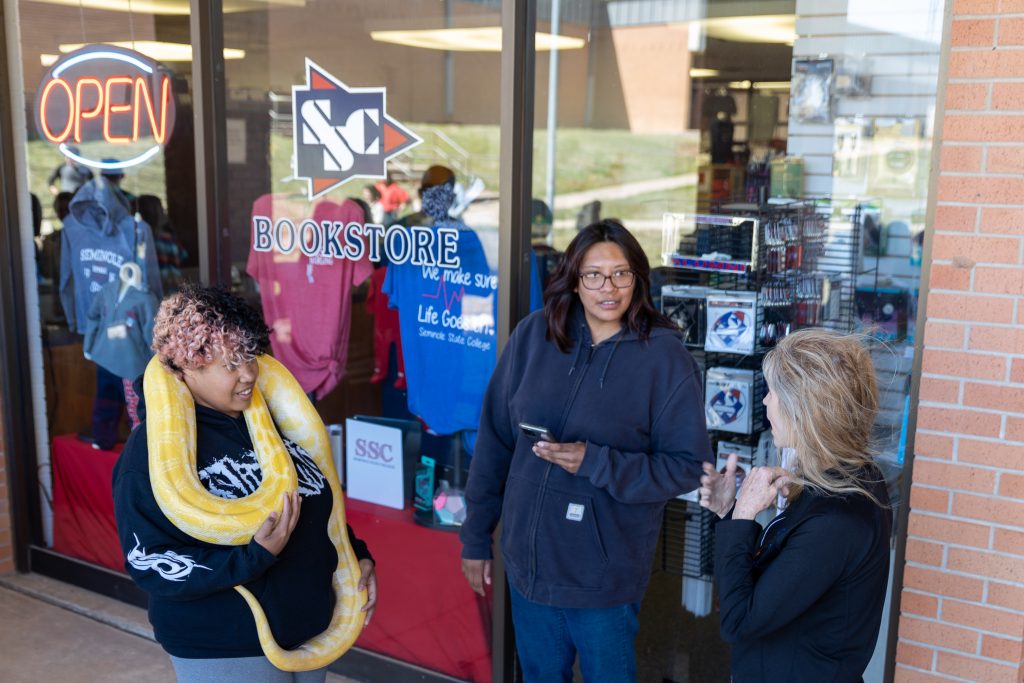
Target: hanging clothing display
(98,237)
(119,329)
(448,325)
(386,331)
(307,300)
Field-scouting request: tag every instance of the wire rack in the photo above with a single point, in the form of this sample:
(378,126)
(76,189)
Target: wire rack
(801,259)
(687,541)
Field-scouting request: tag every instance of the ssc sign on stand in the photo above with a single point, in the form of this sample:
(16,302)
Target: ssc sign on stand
(373,464)
(110,95)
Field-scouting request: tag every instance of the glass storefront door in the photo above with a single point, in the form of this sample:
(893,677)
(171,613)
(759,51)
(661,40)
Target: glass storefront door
(688,121)
(109,150)
(363,154)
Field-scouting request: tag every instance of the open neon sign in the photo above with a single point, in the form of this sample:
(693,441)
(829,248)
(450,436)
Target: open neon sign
(108,94)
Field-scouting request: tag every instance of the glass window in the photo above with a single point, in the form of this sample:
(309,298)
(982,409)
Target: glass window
(705,126)
(382,122)
(111,171)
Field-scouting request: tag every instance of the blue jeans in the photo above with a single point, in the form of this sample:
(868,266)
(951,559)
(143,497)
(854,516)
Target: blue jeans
(107,408)
(548,638)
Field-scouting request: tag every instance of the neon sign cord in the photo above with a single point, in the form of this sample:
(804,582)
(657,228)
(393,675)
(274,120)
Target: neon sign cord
(81,18)
(131,23)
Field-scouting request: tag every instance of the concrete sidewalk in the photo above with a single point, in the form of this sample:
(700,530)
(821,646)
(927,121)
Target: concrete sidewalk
(52,631)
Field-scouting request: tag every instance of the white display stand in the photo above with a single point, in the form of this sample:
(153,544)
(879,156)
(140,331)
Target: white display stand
(373,464)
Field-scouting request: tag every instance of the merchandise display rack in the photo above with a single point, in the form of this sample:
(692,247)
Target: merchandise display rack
(686,540)
(797,260)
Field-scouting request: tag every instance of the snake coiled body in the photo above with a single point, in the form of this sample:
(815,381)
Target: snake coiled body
(276,398)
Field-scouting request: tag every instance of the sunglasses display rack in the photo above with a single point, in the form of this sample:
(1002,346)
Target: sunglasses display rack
(736,281)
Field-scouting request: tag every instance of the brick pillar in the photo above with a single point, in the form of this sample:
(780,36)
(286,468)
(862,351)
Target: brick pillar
(962,609)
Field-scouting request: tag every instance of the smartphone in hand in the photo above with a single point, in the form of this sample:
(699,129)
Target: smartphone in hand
(536,433)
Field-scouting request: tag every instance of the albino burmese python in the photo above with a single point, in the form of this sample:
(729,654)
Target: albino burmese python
(171,436)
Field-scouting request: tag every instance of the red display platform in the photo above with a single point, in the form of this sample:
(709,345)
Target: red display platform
(83,505)
(426,615)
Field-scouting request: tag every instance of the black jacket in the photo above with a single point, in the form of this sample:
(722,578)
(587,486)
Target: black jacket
(802,600)
(584,539)
(194,609)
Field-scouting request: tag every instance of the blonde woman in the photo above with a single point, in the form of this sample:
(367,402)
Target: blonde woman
(801,599)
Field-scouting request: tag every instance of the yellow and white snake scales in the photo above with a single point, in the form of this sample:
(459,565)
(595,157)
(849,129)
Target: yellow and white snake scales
(171,436)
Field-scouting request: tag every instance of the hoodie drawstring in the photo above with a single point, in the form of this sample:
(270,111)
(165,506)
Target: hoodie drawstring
(607,363)
(600,381)
(579,350)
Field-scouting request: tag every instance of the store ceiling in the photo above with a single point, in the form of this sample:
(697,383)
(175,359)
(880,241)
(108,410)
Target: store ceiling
(770,28)
(169,7)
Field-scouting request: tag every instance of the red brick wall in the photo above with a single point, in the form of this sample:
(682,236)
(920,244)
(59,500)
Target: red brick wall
(962,608)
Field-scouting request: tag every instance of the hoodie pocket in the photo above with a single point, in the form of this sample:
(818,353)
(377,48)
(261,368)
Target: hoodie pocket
(570,553)
(517,508)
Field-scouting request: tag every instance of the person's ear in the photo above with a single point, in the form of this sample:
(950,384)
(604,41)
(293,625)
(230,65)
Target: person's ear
(188,374)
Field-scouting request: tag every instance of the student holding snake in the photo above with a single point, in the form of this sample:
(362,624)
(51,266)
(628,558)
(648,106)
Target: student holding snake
(228,507)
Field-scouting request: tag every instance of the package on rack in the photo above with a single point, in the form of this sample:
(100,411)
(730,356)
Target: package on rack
(692,496)
(786,458)
(731,322)
(744,459)
(728,399)
(685,305)
(767,455)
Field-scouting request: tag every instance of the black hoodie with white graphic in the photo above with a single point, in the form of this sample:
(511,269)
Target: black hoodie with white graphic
(194,609)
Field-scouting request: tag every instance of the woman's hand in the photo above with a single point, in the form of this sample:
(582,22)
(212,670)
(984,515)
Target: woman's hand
(478,573)
(568,456)
(760,490)
(718,489)
(368,580)
(278,528)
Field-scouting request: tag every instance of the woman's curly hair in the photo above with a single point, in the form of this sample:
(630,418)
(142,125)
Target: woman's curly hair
(200,325)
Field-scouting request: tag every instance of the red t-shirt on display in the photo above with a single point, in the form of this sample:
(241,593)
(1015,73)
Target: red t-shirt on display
(391,196)
(307,300)
(386,331)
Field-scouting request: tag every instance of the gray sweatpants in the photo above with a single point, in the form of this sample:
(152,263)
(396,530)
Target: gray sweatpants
(240,670)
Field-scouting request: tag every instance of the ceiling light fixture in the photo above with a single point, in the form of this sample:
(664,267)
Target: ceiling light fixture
(169,7)
(481,39)
(765,28)
(154,49)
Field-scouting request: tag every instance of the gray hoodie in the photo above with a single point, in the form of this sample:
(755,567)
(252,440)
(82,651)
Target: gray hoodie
(99,235)
(119,329)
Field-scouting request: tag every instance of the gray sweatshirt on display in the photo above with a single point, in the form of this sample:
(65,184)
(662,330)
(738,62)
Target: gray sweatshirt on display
(99,235)
(119,329)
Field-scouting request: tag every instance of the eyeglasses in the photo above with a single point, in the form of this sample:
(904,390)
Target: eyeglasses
(620,279)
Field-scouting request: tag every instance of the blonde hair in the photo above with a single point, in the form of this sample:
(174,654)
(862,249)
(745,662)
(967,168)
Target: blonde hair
(825,385)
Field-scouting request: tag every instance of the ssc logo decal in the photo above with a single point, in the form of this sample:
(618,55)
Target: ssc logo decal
(342,133)
(727,405)
(730,327)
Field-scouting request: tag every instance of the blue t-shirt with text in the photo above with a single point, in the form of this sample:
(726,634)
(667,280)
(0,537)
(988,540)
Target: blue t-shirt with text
(448,321)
